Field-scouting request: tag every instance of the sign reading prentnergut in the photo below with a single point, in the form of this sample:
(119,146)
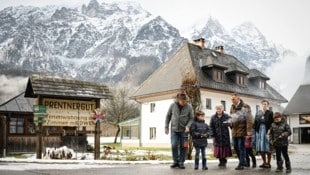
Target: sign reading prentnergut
(68,112)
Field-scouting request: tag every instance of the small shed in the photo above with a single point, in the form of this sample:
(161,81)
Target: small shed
(130,132)
(298,113)
(17,130)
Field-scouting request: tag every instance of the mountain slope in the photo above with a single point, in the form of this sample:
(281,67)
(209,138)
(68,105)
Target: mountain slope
(112,42)
(101,42)
(245,42)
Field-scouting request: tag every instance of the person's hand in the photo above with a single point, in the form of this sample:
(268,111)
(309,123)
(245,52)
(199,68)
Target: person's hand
(166,131)
(186,130)
(249,133)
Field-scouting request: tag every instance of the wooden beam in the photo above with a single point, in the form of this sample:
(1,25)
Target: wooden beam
(97,136)
(39,142)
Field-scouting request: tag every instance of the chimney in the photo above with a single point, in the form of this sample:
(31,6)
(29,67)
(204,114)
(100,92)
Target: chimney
(200,42)
(219,49)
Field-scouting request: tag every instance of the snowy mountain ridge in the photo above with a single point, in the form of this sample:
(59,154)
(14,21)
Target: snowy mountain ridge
(112,42)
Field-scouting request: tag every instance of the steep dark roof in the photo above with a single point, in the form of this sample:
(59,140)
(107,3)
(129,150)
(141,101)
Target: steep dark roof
(300,102)
(18,104)
(254,73)
(58,87)
(189,59)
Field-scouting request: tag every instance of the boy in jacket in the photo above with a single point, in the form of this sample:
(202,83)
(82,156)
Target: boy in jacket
(279,133)
(200,131)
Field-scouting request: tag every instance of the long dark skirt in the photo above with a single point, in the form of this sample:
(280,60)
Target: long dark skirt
(222,152)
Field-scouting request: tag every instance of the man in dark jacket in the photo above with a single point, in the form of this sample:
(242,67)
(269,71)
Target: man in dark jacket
(180,114)
(242,122)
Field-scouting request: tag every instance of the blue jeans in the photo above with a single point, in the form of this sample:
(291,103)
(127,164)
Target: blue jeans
(239,146)
(177,145)
(203,152)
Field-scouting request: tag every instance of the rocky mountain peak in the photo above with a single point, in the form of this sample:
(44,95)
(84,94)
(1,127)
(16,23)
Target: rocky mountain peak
(110,42)
(248,33)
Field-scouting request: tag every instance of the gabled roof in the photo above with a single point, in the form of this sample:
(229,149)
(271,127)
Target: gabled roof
(18,104)
(189,59)
(58,87)
(168,76)
(300,102)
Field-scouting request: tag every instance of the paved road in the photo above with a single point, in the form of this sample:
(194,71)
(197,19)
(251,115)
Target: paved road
(300,157)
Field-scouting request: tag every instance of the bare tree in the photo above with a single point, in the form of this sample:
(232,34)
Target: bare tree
(190,87)
(120,108)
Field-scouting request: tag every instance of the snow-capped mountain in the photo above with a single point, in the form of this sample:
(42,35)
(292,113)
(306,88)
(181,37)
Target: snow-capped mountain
(111,42)
(100,42)
(245,42)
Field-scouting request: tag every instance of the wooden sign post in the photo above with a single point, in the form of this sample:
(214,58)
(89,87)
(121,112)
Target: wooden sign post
(97,116)
(39,112)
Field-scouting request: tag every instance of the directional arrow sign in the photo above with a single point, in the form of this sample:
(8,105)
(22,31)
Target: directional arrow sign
(39,108)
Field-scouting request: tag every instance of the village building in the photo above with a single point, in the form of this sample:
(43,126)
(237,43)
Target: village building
(298,115)
(218,76)
(68,118)
(130,132)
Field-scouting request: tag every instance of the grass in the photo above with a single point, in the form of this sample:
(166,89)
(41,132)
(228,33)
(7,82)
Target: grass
(17,155)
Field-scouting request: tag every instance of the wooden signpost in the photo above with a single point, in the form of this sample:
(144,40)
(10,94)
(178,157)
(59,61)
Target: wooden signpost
(39,112)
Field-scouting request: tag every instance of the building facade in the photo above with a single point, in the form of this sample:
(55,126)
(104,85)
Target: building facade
(218,76)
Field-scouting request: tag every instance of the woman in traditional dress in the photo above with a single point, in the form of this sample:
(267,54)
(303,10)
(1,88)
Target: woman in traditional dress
(262,124)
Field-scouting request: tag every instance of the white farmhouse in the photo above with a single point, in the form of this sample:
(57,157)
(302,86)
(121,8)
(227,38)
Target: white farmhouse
(218,74)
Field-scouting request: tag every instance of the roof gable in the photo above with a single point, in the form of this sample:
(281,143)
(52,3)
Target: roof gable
(57,87)
(168,76)
(300,102)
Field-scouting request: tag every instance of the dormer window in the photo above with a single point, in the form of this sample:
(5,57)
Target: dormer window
(240,80)
(262,84)
(258,79)
(237,76)
(218,75)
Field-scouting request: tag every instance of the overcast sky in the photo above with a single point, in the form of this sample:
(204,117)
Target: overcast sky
(282,21)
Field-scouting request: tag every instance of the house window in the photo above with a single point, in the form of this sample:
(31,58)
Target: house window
(262,84)
(218,75)
(126,132)
(16,125)
(224,104)
(152,106)
(257,108)
(152,133)
(241,80)
(208,103)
